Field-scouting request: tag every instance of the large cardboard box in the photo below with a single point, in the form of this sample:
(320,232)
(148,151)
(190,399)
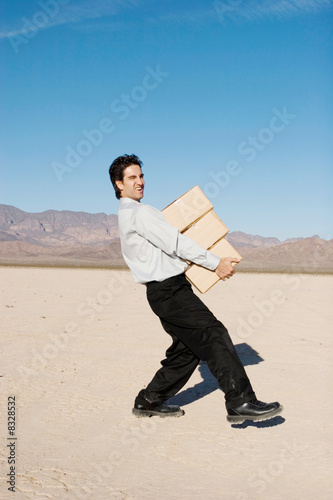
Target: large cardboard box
(203,279)
(193,215)
(207,230)
(187,209)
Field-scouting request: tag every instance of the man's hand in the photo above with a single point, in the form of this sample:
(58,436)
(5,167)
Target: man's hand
(225,268)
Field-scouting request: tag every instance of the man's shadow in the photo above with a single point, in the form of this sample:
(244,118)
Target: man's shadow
(209,384)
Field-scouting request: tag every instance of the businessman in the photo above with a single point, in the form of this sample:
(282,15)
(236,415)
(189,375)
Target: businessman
(156,254)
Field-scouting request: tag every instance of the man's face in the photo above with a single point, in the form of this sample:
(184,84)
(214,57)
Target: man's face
(132,185)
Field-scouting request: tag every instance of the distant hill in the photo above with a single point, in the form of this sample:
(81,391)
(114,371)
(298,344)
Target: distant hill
(240,239)
(80,239)
(59,238)
(308,255)
(56,228)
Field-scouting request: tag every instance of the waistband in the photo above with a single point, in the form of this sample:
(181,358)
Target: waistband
(172,278)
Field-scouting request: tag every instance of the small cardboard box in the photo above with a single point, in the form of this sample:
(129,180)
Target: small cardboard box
(203,279)
(207,230)
(187,209)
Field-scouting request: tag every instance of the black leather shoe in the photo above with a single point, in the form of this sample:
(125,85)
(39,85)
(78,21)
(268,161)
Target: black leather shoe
(148,404)
(253,410)
(156,409)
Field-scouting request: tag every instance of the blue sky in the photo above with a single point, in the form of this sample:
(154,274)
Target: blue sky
(235,96)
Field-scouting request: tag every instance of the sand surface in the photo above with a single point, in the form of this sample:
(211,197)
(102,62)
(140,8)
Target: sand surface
(77,346)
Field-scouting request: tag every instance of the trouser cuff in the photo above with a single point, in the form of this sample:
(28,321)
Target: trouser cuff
(150,396)
(239,401)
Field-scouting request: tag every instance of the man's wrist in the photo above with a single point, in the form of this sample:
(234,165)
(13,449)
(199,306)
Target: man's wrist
(215,261)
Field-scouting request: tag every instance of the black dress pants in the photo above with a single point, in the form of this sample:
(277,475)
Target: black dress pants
(196,335)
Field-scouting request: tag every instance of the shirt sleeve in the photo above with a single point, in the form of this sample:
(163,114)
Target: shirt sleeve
(151,224)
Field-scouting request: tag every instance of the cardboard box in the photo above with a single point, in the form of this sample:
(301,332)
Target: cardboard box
(187,209)
(207,230)
(203,279)
(193,215)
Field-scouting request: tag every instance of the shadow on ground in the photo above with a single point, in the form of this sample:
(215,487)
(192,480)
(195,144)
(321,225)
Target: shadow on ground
(272,422)
(209,384)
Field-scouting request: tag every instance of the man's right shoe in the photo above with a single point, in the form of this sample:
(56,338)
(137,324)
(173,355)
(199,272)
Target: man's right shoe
(253,410)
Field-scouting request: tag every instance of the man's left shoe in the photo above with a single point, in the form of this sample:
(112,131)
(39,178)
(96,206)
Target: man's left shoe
(149,404)
(156,409)
(253,410)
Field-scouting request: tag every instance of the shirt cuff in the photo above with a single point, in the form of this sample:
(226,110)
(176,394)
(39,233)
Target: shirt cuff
(212,261)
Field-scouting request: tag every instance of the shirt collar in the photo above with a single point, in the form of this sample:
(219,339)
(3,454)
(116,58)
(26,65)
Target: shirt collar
(127,201)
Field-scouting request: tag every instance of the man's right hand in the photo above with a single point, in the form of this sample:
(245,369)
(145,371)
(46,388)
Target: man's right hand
(225,268)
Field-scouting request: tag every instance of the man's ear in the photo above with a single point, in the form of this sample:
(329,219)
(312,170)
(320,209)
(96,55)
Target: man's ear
(120,185)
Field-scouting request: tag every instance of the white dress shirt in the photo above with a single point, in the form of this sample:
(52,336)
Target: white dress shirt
(153,249)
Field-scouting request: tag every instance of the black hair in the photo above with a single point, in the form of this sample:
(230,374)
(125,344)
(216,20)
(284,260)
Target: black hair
(117,167)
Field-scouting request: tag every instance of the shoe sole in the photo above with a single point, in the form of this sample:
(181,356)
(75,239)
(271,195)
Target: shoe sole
(148,413)
(238,419)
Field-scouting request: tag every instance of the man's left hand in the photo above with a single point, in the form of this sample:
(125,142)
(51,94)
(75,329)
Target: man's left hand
(225,268)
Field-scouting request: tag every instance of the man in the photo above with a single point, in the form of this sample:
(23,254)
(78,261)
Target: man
(156,253)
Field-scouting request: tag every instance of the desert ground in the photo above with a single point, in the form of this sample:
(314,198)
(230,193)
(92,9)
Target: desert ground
(77,346)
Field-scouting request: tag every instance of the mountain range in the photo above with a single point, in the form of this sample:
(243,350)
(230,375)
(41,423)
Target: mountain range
(80,239)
